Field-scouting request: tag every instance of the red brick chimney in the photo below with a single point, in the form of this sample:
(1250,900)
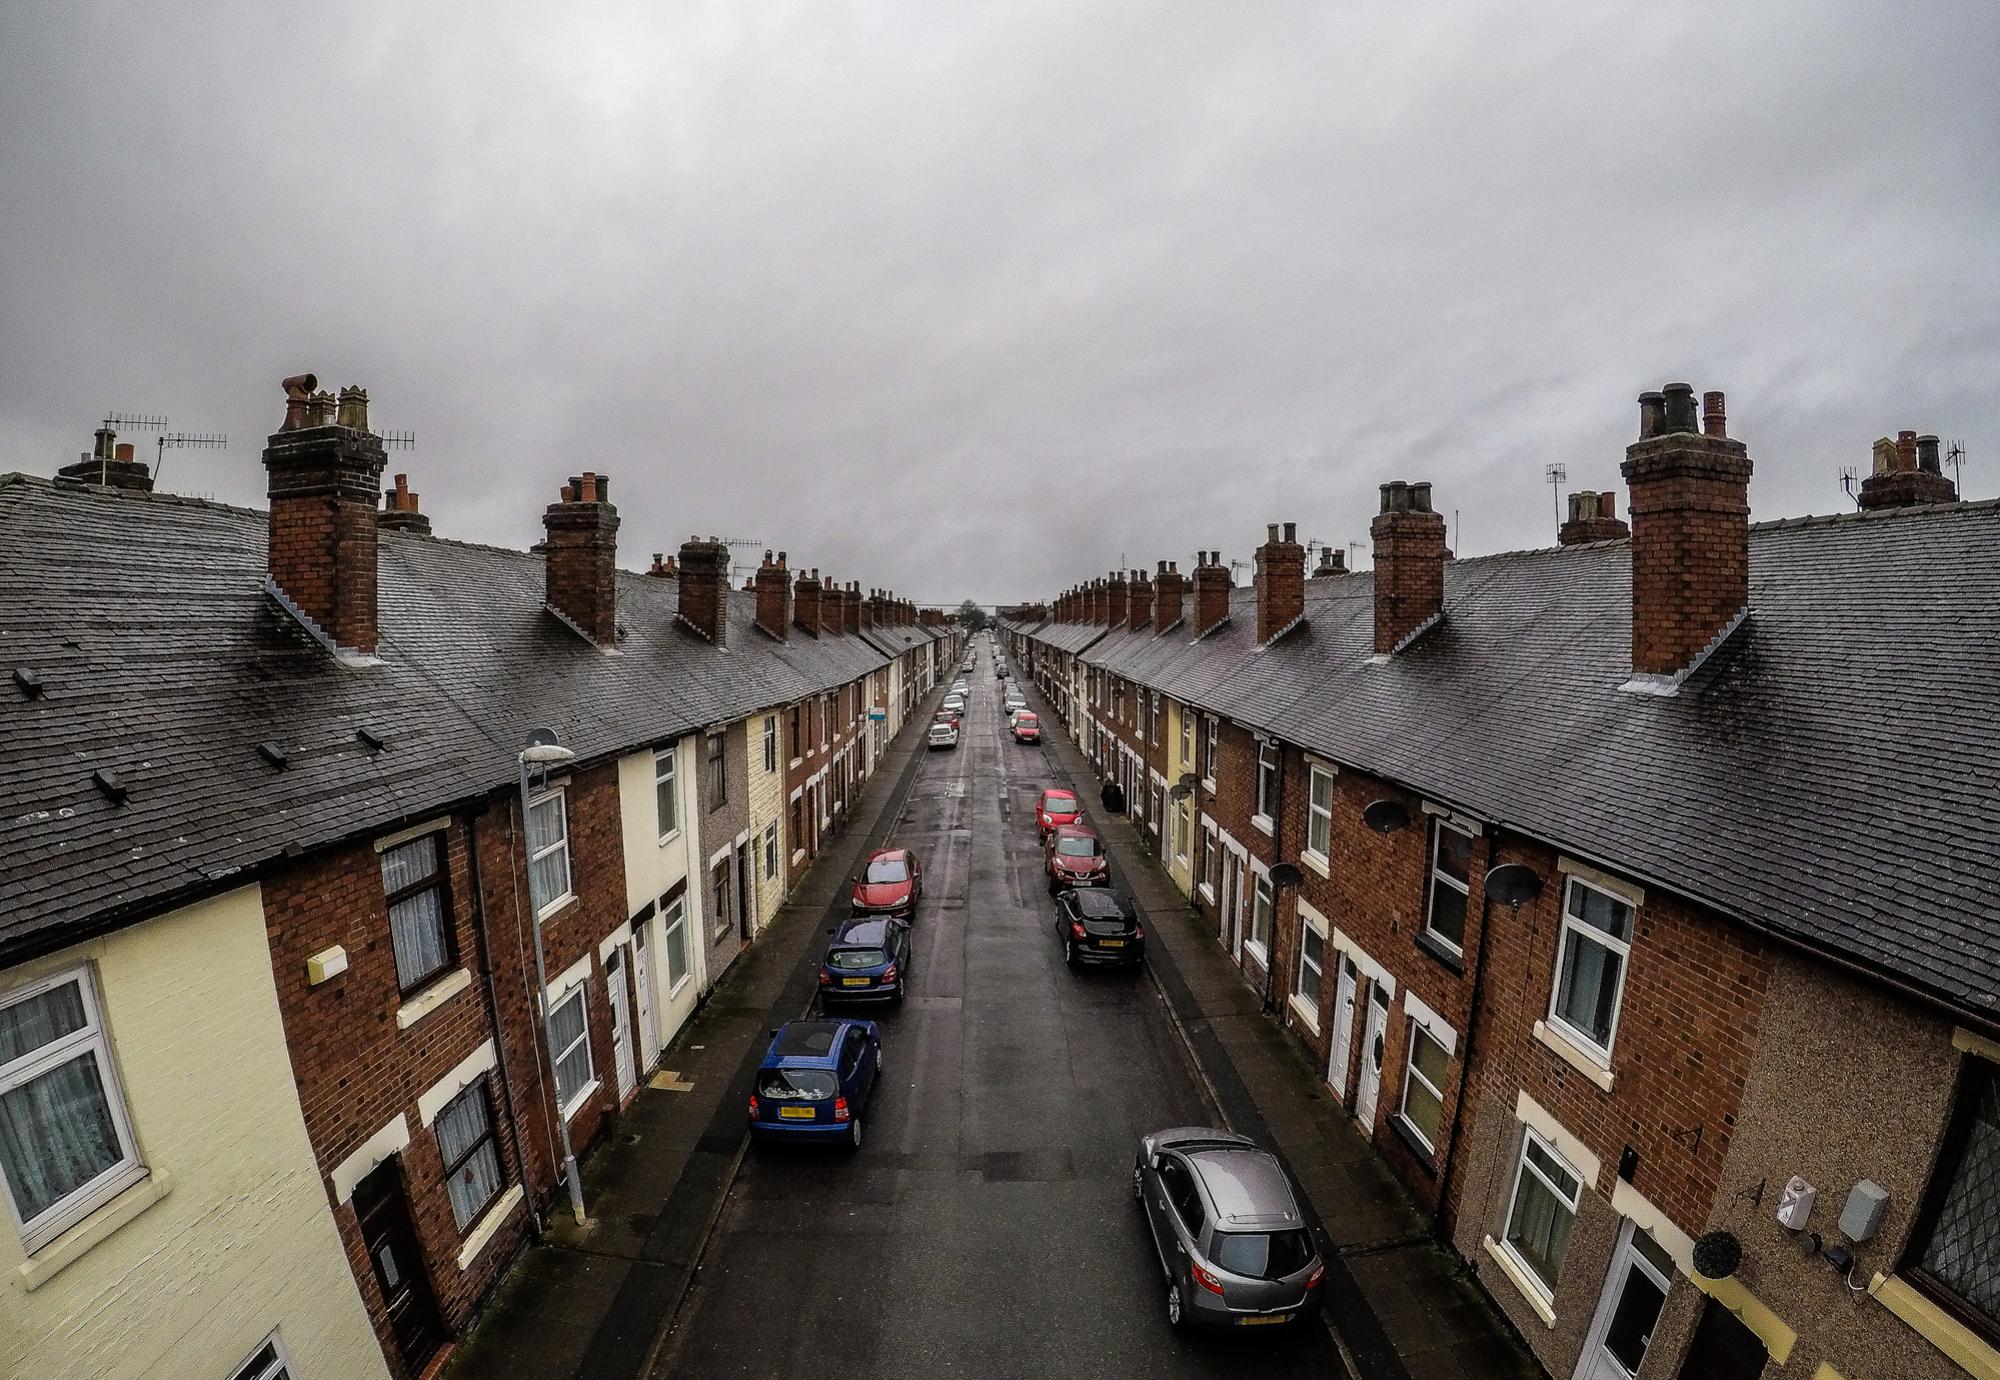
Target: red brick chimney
(1212,584)
(1409,564)
(1281,580)
(832,607)
(399,510)
(1690,495)
(111,463)
(1115,593)
(1593,516)
(774,596)
(805,602)
(1906,473)
(704,588)
(1332,561)
(325,481)
(580,557)
(1166,596)
(663,565)
(1138,601)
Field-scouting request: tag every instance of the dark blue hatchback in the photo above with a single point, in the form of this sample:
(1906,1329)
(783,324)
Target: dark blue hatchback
(867,960)
(814,1080)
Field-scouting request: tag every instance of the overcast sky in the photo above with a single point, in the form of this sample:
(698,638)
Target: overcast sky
(973,299)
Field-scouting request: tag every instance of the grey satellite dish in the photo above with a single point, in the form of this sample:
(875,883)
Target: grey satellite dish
(1189,781)
(1386,816)
(1511,884)
(1286,874)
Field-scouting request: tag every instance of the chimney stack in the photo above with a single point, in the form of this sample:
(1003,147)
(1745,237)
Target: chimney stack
(399,510)
(580,557)
(663,565)
(850,608)
(112,463)
(805,602)
(1907,473)
(774,596)
(704,588)
(1138,601)
(1114,601)
(1594,516)
(1212,583)
(1690,497)
(1409,564)
(1332,561)
(1166,595)
(324,484)
(1280,580)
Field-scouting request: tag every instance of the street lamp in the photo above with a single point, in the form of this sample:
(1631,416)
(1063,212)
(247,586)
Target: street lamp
(541,756)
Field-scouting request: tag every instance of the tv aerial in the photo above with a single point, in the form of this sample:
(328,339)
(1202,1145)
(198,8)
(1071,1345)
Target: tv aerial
(184,440)
(1850,482)
(397,440)
(1555,475)
(1954,455)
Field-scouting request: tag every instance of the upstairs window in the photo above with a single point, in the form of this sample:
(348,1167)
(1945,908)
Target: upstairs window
(1319,813)
(1267,778)
(718,773)
(548,852)
(666,793)
(1154,730)
(1187,740)
(770,742)
(1595,942)
(798,733)
(1208,748)
(1954,1253)
(1451,866)
(267,1364)
(413,880)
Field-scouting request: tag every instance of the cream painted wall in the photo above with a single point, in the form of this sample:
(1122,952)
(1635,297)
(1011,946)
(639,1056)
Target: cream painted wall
(653,865)
(242,1241)
(767,807)
(1178,766)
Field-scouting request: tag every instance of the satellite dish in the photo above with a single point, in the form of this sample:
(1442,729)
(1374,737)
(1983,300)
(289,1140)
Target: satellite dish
(1386,816)
(1189,781)
(1179,792)
(1286,874)
(543,737)
(1512,884)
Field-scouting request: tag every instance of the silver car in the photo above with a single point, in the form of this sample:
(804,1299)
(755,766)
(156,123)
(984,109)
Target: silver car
(1229,1232)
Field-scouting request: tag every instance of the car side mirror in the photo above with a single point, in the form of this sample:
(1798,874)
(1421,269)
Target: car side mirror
(1159,1163)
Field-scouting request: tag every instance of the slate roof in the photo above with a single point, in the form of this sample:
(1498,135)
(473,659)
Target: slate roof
(161,659)
(1831,774)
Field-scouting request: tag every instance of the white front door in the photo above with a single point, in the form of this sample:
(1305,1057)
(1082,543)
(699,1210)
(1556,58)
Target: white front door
(1341,1054)
(1634,1291)
(642,986)
(1371,1055)
(621,1024)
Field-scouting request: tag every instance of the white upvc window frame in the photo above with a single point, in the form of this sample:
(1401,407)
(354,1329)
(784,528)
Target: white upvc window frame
(1589,934)
(1416,1030)
(771,852)
(279,1367)
(674,914)
(1268,754)
(1319,818)
(667,772)
(770,743)
(580,994)
(1264,899)
(560,795)
(1308,1011)
(1155,717)
(1529,1275)
(1211,749)
(1187,740)
(92,1039)
(1433,877)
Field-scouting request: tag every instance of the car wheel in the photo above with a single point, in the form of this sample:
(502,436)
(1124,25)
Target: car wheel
(1175,1317)
(854,1128)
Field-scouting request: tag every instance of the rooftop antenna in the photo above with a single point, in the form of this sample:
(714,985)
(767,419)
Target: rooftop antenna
(1555,475)
(1954,455)
(1850,482)
(107,433)
(1353,554)
(182,440)
(397,440)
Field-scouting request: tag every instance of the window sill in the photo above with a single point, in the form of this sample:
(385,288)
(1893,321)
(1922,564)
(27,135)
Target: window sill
(556,909)
(798,856)
(488,1226)
(582,1099)
(1517,1275)
(1307,1014)
(1964,1346)
(1208,784)
(1413,1140)
(1264,825)
(1317,862)
(432,997)
(1451,958)
(1207,893)
(73,1244)
(672,836)
(1575,1055)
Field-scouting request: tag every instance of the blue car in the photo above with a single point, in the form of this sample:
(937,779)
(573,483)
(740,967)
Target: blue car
(814,1081)
(868,960)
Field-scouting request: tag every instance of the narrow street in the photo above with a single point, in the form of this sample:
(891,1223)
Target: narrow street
(986,1228)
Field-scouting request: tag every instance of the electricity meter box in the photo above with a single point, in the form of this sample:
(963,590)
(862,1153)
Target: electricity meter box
(1862,1216)
(1795,1204)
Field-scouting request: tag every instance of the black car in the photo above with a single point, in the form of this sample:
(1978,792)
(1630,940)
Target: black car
(1097,925)
(868,960)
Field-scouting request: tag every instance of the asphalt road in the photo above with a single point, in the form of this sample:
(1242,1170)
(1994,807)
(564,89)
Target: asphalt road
(986,1228)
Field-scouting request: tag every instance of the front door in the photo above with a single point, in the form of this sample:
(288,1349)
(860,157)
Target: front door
(1341,1055)
(1371,1055)
(1723,1348)
(621,1023)
(391,1243)
(642,987)
(1634,1291)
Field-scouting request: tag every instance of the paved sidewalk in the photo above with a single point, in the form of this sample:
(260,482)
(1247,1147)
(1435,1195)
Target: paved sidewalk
(593,1302)
(1400,1304)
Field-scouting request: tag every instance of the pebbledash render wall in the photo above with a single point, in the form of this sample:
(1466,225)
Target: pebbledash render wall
(723,834)
(768,846)
(228,1238)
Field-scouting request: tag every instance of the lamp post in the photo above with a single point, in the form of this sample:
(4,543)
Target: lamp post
(541,755)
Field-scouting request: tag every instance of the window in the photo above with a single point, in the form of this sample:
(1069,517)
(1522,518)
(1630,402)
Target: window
(1423,1085)
(770,742)
(1187,740)
(569,1034)
(413,880)
(1543,1210)
(1178,1181)
(1955,1250)
(1260,915)
(267,1364)
(770,852)
(471,1158)
(1596,937)
(679,963)
(1208,852)
(1312,966)
(1451,864)
(725,909)
(1154,730)
(798,825)
(1208,752)
(666,795)
(1267,778)
(718,773)
(1319,813)
(548,852)
(1183,830)
(798,733)
(65,1144)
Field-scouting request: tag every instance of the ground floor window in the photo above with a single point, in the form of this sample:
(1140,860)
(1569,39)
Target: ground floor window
(1312,966)
(1423,1085)
(268,1363)
(569,1036)
(1543,1210)
(471,1158)
(678,963)
(1260,915)
(1956,1249)
(771,852)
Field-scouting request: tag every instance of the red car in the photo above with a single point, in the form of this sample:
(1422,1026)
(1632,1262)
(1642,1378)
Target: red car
(1027,728)
(1056,807)
(1074,856)
(891,883)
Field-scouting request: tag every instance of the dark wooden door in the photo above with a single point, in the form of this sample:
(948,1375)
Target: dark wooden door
(1723,1348)
(399,1266)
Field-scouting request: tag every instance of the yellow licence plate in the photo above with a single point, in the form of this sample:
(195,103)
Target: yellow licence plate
(1111,943)
(796,1114)
(1265,1319)
(855,982)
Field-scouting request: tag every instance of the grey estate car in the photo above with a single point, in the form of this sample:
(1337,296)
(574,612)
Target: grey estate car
(1228,1230)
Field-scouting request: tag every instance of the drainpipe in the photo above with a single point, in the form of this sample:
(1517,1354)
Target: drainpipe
(1278,847)
(1471,1036)
(493,1006)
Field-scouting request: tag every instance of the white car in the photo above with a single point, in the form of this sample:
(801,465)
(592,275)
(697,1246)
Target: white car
(943,735)
(1015,703)
(959,687)
(955,703)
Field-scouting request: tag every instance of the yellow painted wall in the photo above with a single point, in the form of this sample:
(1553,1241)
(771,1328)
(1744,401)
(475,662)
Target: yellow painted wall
(653,866)
(242,1241)
(1178,766)
(767,807)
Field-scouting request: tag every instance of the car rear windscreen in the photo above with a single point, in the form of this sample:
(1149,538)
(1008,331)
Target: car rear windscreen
(888,870)
(856,958)
(1263,1255)
(796,1085)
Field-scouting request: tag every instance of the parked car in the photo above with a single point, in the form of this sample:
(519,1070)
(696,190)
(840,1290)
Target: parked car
(943,734)
(999,671)
(891,883)
(955,703)
(1027,728)
(1228,1230)
(1014,701)
(1073,855)
(959,687)
(1096,925)
(814,1080)
(867,960)
(1055,807)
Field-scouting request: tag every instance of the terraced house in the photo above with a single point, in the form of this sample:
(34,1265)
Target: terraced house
(282,908)
(1638,896)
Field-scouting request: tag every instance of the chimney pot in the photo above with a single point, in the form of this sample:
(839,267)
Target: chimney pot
(1906,451)
(1271,533)
(1713,423)
(1927,455)
(1652,414)
(1680,407)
